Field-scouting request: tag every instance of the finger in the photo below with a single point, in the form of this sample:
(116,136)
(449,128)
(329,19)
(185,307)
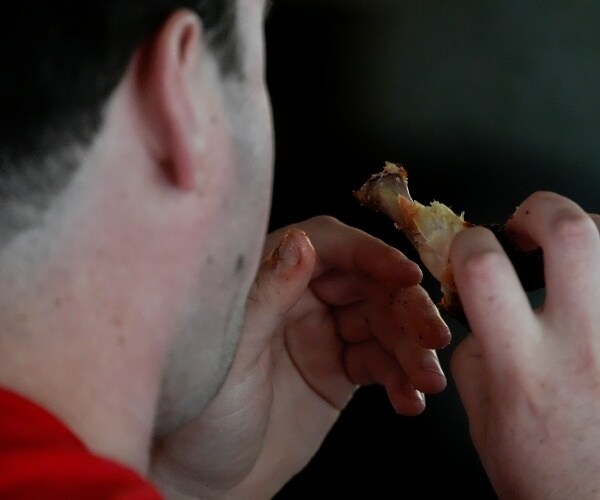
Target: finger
(339,288)
(408,312)
(466,365)
(368,363)
(350,250)
(491,294)
(282,278)
(420,364)
(413,308)
(570,241)
(520,236)
(596,219)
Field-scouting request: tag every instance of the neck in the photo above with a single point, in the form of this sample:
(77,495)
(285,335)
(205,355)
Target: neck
(86,355)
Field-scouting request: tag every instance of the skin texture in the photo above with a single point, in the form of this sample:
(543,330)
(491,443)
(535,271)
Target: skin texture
(298,364)
(178,339)
(151,313)
(530,379)
(136,283)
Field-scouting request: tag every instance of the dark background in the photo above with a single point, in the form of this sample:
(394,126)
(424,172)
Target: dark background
(483,103)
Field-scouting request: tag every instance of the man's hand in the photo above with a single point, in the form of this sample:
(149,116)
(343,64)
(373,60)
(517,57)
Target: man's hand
(332,308)
(530,379)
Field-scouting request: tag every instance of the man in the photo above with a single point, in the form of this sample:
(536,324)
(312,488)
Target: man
(151,344)
(140,350)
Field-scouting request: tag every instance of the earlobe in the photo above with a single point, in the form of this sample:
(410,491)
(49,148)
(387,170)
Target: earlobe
(168,83)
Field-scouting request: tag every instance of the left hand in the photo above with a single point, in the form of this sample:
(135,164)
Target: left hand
(529,378)
(332,308)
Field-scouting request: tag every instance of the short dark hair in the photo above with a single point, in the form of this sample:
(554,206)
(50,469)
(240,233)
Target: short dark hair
(60,61)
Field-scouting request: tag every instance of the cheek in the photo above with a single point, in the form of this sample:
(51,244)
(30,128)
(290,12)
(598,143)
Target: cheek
(253,135)
(253,143)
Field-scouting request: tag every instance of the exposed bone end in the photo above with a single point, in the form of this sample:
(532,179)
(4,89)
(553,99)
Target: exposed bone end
(431,229)
(381,191)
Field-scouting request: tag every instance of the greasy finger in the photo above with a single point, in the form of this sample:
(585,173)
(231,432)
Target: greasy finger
(409,312)
(281,279)
(339,288)
(368,363)
(570,241)
(420,364)
(351,250)
(413,308)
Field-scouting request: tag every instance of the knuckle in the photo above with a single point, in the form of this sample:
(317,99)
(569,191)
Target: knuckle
(482,265)
(325,220)
(570,227)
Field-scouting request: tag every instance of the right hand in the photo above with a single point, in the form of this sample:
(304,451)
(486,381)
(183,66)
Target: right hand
(530,379)
(332,308)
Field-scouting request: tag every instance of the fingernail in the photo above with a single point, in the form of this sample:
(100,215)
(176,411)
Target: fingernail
(288,251)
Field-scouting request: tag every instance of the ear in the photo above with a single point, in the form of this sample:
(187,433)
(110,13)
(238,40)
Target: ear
(168,81)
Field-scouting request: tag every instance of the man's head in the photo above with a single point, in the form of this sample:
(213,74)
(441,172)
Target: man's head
(136,182)
(61,62)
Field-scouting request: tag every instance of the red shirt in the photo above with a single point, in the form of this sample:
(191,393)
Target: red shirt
(40,458)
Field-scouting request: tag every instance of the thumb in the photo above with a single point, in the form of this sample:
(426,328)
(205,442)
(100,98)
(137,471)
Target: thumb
(281,280)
